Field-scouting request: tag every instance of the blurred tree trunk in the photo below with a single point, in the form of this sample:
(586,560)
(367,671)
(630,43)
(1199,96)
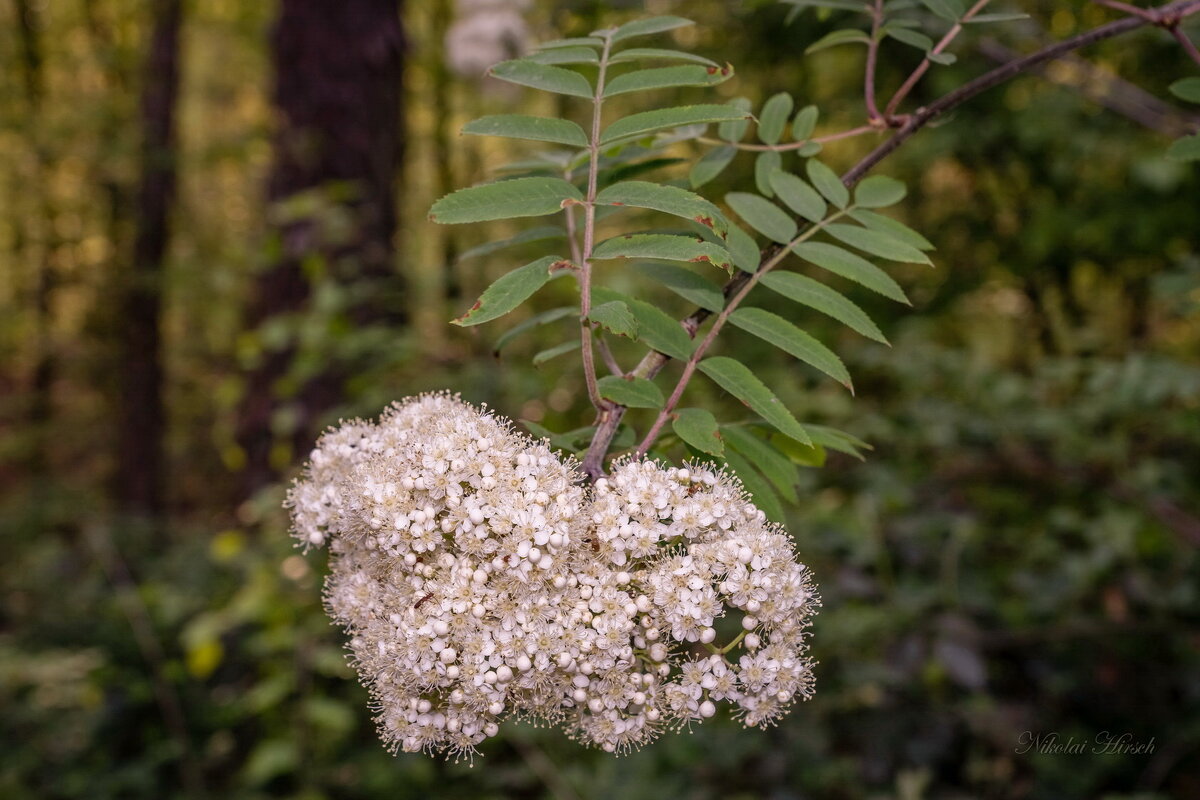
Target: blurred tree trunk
(338,70)
(140,479)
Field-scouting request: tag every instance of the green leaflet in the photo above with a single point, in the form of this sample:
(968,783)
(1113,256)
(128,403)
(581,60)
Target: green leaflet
(844,36)
(651,121)
(949,10)
(665,246)
(565,55)
(763,215)
(543,76)
(776,466)
(798,195)
(898,230)
(655,328)
(631,392)
(773,117)
(842,262)
(838,440)
(778,331)
(805,123)
(737,379)
(879,191)
(578,41)
(667,77)
(521,126)
(734,130)
(828,183)
(668,199)
(649,25)
(555,352)
(658,54)
(758,489)
(519,197)
(615,317)
(765,165)
(687,284)
(1186,89)
(877,243)
(816,295)
(537,320)
(539,234)
(510,290)
(743,249)
(698,428)
(711,164)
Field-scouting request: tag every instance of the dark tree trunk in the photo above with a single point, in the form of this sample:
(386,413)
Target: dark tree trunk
(338,69)
(140,479)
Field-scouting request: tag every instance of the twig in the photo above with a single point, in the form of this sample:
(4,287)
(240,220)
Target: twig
(923,67)
(872,58)
(1187,44)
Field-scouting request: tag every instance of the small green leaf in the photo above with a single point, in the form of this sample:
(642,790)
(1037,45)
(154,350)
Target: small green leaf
(737,379)
(758,489)
(996,16)
(828,183)
(556,351)
(509,291)
(949,10)
(877,243)
(879,191)
(519,197)
(763,215)
(1186,89)
(537,320)
(544,77)
(615,317)
(798,195)
(802,454)
(818,296)
(711,164)
(668,199)
(945,59)
(841,261)
(837,440)
(654,328)
(650,121)
(539,234)
(665,246)
(810,149)
(897,229)
(774,117)
(909,37)
(631,392)
(698,428)
(658,54)
(520,126)
(687,284)
(1185,149)
(578,41)
(776,466)
(778,331)
(565,55)
(644,27)
(743,249)
(667,77)
(845,36)
(734,130)
(765,165)
(805,123)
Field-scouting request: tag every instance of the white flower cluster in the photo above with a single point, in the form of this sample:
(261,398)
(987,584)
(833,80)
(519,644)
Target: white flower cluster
(478,579)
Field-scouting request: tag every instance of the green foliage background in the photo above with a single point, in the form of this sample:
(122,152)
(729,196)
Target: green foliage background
(1018,553)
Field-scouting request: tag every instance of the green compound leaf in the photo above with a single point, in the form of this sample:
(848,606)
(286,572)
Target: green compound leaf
(1186,89)
(521,126)
(898,230)
(537,320)
(828,183)
(841,261)
(655,328)
(798,195)
(544,77)
(765,165)
(759,489)
(776,466)
(510,290)
(778,331)
(816,295)
(556,351)
(667,77)
(805,123)
(519,197)
(879,191)
(737,379)
(666,246)
(668,199)
(774,117)
(649,25)
(651,121)
(687,284)
(698,428)
(658,54)
(615,317)
(877,243)
(565,55)
(539,234)
(631,392)
(711,164)
(763,215)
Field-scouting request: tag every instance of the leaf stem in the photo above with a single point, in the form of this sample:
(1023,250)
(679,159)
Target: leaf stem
(923,67)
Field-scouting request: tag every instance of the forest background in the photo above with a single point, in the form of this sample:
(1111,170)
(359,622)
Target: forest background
(213,243)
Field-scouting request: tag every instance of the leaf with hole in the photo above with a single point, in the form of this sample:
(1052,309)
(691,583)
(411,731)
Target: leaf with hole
(698,428)
(649,25)
(521,126)
(816,295)
(667,199)
(841,261)
(737,379)
(543,76)
(631,392)
(773,117)
(763,215)
(510,290)
(519,197)
(651,121)
(828,183)
(667,77)
(778,331)
(776,466)
(877,243)
(666,246)
(798,195)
